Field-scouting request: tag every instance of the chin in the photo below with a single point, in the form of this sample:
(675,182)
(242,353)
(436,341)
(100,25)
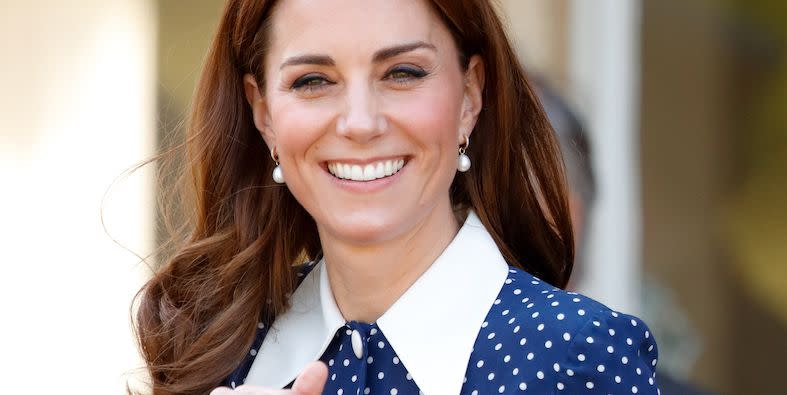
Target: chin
(365,228)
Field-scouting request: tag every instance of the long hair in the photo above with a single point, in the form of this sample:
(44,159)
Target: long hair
(197,315)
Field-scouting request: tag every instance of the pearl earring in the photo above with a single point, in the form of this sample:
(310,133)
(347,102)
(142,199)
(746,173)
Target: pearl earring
(463,161)
(278,174)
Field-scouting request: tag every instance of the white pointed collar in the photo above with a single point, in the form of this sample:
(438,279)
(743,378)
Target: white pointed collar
(432,326)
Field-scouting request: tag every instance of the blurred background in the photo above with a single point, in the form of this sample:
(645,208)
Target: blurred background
(683,104)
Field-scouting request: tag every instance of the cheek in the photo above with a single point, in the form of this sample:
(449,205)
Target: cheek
(431,122)
(431,118)
(297,128)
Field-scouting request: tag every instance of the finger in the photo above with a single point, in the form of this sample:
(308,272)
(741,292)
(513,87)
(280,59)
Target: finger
(221,391)
(312,380)
(252,390)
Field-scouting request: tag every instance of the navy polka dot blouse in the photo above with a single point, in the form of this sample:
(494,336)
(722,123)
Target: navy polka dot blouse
(534,338)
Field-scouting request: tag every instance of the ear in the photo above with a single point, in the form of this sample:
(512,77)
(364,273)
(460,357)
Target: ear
(259,109)
(473,96)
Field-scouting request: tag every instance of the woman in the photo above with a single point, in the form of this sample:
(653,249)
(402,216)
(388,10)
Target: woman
(433,262)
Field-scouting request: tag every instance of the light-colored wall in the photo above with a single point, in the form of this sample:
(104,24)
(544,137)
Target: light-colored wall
(185,30)
(540,34)
(77,105)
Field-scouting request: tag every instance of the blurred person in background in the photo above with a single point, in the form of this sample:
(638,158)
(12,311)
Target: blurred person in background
(577,156)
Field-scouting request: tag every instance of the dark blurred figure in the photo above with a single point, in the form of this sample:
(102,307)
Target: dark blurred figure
(582,192)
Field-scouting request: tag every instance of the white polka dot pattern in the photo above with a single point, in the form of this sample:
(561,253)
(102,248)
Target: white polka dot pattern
(535,339)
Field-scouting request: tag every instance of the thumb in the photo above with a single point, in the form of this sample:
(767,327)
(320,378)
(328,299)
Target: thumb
(312,380)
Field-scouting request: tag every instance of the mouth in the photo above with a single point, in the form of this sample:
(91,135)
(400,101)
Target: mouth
(366,172)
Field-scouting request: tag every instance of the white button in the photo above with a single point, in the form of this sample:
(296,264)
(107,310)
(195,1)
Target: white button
(357,343)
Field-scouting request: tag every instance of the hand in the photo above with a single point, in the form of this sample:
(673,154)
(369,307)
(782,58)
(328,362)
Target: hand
(310,382)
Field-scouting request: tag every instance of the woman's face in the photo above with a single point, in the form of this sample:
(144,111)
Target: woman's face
(366,104)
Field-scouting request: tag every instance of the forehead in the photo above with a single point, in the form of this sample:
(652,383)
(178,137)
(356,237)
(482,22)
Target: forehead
(358,25)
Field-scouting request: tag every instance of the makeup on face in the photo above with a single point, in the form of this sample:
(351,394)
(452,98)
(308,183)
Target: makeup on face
(365,119)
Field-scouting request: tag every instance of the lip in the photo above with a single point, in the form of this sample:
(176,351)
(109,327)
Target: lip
(366,186)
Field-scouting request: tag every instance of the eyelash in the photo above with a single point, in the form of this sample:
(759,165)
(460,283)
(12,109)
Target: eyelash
(410,71)
(312,82)
(305,82)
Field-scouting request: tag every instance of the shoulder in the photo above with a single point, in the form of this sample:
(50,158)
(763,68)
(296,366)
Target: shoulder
(547,339)
(527,299)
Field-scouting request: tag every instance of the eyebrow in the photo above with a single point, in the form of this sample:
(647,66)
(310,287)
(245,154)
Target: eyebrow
(379,56)
(387,53)
(319,60)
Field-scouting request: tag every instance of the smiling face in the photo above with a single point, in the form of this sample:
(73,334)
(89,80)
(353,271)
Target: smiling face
(366,103)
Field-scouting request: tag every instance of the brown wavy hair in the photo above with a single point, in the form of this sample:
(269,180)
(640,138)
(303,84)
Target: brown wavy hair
(197,315)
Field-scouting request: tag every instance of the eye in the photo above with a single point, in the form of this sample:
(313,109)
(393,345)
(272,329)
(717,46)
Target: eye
(310,82)
(405,74)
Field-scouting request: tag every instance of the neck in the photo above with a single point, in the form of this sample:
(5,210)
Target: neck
(367,279)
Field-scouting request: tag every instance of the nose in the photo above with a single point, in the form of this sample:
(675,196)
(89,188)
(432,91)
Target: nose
(361,120)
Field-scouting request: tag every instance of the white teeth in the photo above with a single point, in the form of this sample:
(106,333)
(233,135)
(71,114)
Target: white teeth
(357,173)
(371,171)
(368,173)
